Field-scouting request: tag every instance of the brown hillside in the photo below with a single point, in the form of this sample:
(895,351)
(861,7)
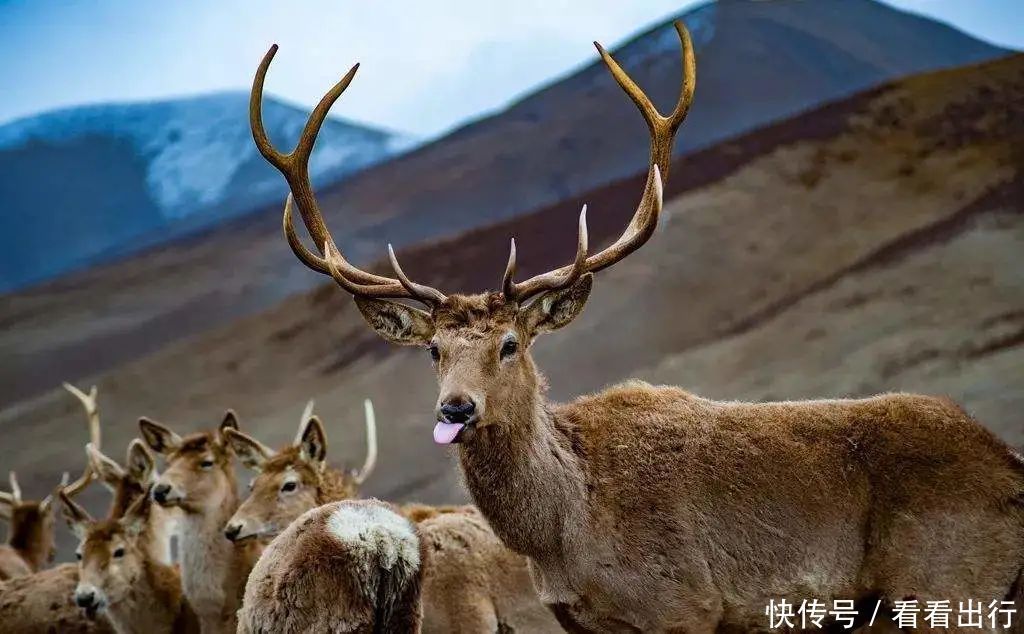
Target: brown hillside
(875,245)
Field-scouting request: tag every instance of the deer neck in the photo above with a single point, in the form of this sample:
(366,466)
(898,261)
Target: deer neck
(156,536)
(524,477)
(153,605)
(32,541)
(212,568)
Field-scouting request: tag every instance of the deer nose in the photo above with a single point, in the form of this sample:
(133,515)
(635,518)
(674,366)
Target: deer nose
(231,531)
(85,598)
(458,410)
(160,492)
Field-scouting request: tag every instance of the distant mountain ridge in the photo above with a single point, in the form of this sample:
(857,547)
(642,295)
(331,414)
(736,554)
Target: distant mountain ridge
(555,147)
(119,176)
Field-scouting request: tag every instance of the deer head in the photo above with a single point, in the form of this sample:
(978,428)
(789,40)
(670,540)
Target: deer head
(31,523)
(111,560)
(479,344)
(295,479)
(199,475)
(127,483)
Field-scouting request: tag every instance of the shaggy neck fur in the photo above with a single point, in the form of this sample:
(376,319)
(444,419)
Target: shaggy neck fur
(525,477)
(213,570)
(30,538)
(153,605)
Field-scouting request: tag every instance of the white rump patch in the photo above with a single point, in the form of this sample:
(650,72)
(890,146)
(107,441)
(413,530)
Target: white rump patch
(376,529)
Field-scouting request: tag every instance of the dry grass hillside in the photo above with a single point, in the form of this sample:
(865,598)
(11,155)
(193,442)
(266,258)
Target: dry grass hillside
(876,244)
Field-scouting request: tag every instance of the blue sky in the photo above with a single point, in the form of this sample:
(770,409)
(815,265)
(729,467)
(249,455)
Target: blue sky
(426,66)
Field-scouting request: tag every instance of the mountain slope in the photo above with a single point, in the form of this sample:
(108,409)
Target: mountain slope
(874,244)
(92,182)
(557,145)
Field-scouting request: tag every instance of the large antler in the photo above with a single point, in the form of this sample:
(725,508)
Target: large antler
(92,414)
(645,219)
(295,168)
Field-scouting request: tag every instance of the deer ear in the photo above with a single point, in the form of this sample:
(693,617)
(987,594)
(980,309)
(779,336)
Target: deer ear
(134,518)
(141,464)
(396,322)
(78,518)
(230,421)
(555,309)
(109,471)
(313,441)
(250,451)
(159,438)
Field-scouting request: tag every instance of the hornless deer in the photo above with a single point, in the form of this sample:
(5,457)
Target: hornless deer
(199,481)
(471,582)
(350,566)
(293,480)
(119,576)
(647,508)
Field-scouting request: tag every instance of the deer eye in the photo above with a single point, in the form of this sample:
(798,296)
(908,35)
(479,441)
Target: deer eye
(118,553)
(78,556)
(435,353)
(289,486)
(509,348)
(206,464)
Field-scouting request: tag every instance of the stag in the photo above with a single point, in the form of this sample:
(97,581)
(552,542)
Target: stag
(495,592)
(199,481)
(648,508)
(118,575)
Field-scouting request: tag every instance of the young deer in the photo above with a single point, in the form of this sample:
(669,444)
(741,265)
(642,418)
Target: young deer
(646,508)
(295,479)
(349,566)
(119,577)
(471,582)
(199,481)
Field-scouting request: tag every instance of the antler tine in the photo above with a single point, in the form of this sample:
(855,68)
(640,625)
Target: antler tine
(421,292)
(552,280)
(294,166)
(92,411)
(306,256)
(307,411)
(76,487)
(12,477)
(371,442)
(645,219)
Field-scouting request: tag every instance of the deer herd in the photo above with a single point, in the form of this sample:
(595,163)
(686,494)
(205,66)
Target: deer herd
(639,508)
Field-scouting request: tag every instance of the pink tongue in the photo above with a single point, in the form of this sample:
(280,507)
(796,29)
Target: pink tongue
(445,433)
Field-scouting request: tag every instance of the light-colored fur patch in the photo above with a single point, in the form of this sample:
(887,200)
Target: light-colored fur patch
(376,529)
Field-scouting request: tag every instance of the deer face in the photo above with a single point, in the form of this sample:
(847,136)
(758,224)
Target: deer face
(111,561)
(287,484)
(479,347)
(285,489)
(198,476)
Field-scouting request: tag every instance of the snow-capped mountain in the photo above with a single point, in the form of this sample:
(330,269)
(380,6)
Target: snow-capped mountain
(85,183)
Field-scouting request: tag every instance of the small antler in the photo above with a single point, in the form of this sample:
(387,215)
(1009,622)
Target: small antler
(92,413)
(295,168)
(371,443)
(645,219)
(12,477)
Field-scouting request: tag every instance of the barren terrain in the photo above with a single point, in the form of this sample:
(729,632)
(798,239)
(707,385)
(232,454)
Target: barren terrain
(872,245)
